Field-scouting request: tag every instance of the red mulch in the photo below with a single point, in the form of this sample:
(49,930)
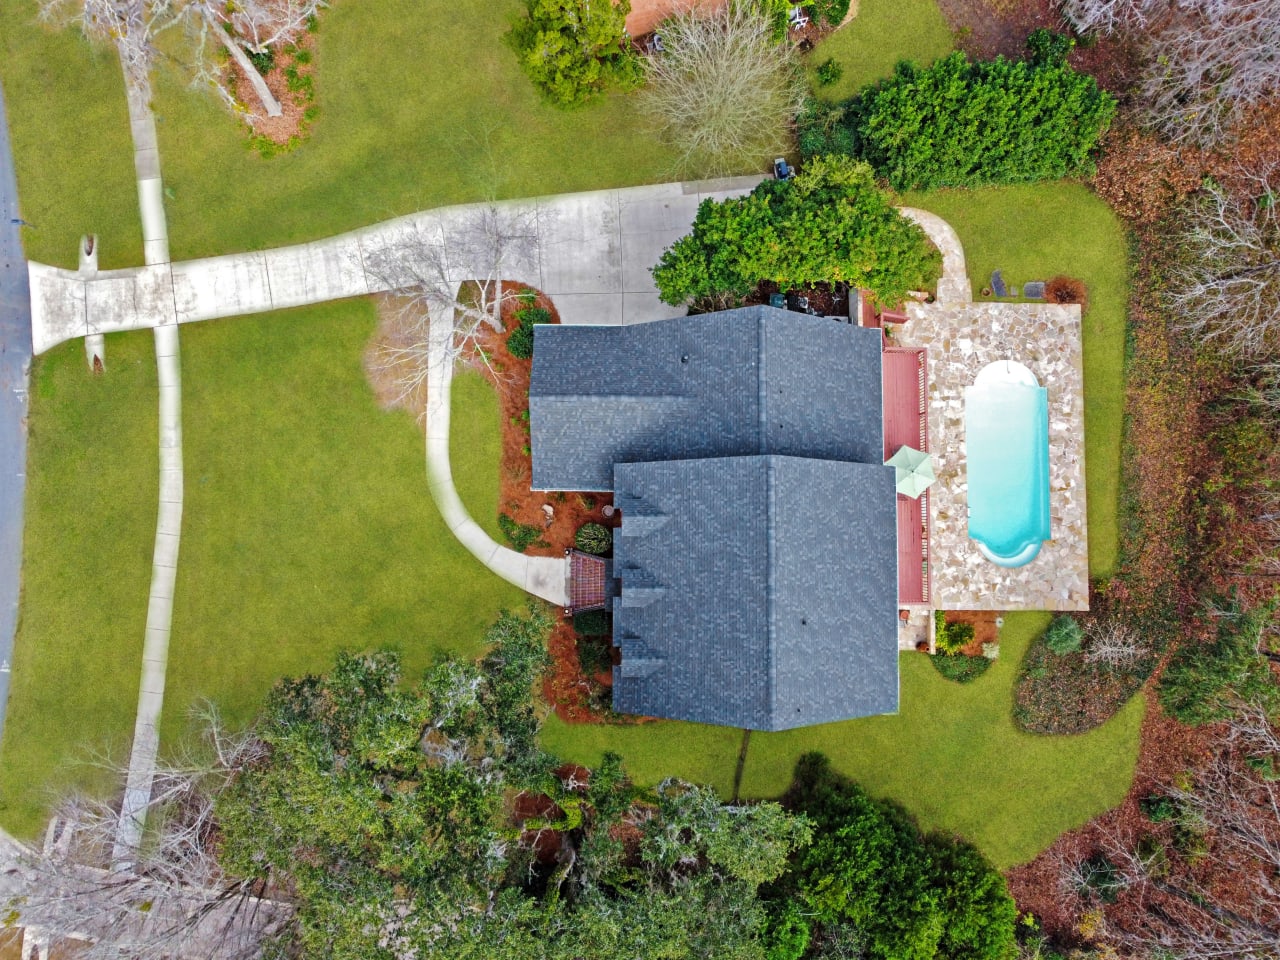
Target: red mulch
(984,628)
(510,376)
(291,122)
(566,687)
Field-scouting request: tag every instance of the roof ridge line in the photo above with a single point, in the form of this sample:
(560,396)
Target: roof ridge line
(762,392)
(770,596)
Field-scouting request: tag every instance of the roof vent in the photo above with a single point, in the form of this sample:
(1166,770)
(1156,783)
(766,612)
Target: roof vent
(684,358)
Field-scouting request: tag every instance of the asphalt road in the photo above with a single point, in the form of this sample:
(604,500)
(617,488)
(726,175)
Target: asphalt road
(15,361)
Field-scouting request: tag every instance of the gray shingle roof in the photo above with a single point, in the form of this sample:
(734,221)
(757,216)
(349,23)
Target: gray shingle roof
(757,591)
(749,381)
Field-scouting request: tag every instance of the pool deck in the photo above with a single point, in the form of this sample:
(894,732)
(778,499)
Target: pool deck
(962,338)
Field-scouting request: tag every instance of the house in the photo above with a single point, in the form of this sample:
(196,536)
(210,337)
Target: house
(757,556)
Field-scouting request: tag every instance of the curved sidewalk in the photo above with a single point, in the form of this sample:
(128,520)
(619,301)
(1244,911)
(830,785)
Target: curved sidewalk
(953,285)
(545,577)
(164,559)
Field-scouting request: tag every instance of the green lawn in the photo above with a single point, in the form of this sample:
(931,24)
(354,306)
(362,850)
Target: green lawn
(883,32)
(420,105)
(952,755)
(307,529)
(71,146)
(954,759)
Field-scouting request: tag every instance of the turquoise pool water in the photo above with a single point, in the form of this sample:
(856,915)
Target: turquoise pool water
(1006,415)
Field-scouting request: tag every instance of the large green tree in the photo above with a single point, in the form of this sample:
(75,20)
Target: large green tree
(575,50)
(870,874)
(389,809)
(959,123)
(829,223)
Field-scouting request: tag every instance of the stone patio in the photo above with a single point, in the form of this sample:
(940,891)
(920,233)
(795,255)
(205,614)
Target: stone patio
(961,339)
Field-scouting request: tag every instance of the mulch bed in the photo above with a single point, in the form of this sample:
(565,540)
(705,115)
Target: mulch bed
(985,29)
(510,377)
(575,697)
(829,300)
(293,121)
(984,628)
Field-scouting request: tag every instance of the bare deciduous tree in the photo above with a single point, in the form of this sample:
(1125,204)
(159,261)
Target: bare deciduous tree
(456,268)
(175,902)
(131,25)
(262,24)
(1113,643)
(134,25)
(1207,61)
(1226,284)
(1181,911)
(722,90)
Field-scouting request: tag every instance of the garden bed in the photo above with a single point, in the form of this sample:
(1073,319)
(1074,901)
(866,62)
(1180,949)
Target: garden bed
(575,696)
(525,507)
(1064,693)
(290,78)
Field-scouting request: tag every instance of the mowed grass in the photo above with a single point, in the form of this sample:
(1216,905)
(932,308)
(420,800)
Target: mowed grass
(1034,232)
(953,758)
(883,32)
(307,529)
(70,132)
(952,755)
(90,522)
(421,104)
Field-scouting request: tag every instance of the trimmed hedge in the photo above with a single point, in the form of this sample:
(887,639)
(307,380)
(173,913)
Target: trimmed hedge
(594,538)
(520,339)
(959,123)
(592,623)
(960,668)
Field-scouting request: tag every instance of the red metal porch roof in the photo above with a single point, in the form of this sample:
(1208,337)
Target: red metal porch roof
(906,424)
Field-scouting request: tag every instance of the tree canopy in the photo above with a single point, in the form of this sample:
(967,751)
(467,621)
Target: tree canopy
(574,50)
(394,812)
(905,896)
(829,223)
(959,123)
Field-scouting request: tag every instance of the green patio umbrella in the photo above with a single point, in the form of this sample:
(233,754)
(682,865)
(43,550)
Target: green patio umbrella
(914,470)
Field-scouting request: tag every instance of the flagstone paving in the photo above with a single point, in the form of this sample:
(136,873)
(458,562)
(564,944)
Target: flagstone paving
(961,339)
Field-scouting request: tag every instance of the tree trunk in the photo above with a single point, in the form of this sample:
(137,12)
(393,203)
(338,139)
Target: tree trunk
(260,87)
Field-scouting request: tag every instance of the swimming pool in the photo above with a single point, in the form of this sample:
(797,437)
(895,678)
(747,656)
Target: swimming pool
(1006,419)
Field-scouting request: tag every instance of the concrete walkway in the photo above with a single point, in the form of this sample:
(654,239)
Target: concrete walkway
(594,251)
(545,577)
(953,286)
(592,254)
(15,360)
(164,563)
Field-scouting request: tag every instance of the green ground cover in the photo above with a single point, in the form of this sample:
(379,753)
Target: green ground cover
(953,756)
(307,529)
(883,32)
